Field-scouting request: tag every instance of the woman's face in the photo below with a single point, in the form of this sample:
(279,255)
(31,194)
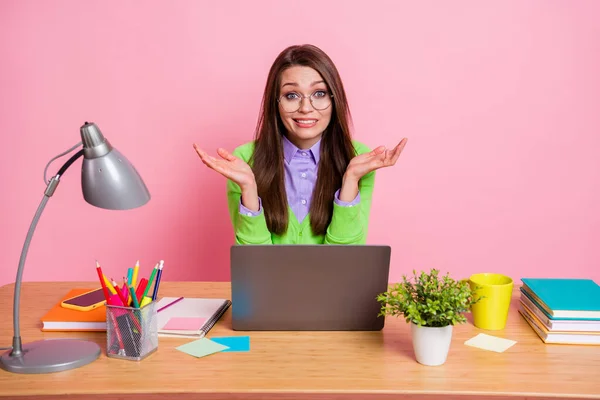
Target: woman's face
(306,124)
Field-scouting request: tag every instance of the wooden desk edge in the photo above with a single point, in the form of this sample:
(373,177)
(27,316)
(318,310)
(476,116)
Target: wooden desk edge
(301,395)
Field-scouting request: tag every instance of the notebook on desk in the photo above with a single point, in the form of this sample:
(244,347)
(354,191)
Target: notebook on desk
(189,317)
(308,287)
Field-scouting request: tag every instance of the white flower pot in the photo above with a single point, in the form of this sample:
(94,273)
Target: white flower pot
(431,344)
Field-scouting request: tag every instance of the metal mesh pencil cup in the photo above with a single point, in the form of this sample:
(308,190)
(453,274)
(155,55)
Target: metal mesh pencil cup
(131,333)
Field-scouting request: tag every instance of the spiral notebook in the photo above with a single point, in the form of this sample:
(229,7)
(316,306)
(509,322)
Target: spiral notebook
(201,315)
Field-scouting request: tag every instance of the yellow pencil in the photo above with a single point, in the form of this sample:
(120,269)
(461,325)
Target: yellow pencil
(135,274)
(109,285)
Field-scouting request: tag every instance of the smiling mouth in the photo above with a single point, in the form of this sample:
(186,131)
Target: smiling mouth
(305,122)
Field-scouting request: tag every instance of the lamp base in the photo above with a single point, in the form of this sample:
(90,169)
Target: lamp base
(51,355)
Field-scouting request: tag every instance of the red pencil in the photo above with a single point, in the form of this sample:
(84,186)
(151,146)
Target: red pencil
(139,292)
(101,276)
(117,331)
(120,293)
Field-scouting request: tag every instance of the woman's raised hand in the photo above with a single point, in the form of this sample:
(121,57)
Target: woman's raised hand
(229,166)
(380,157)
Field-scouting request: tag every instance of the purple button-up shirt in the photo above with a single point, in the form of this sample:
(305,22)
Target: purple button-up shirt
(301,168)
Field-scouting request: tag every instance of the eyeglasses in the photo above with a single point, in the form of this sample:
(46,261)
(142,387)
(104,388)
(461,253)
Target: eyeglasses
(292,101)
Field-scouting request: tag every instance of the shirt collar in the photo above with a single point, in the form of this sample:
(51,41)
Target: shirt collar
(290,150)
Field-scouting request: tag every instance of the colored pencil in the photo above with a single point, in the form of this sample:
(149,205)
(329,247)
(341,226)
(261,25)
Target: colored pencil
(170,304)
(158,276)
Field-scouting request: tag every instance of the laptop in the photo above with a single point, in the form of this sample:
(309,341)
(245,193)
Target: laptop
(308,287)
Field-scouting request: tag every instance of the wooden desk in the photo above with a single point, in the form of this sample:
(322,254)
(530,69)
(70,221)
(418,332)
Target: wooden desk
(302,365)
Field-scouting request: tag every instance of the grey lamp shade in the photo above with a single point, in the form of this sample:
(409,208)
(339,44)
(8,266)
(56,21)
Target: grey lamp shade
(108,179)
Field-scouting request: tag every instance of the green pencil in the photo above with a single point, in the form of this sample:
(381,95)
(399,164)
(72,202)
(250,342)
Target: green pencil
(150,280)
(133,298)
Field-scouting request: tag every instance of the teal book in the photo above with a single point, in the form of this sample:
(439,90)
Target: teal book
(565,298)
(534,305)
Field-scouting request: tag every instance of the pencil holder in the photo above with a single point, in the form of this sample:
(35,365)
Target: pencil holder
(131,333)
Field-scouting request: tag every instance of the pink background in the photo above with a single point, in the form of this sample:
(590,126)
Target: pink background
(500,102)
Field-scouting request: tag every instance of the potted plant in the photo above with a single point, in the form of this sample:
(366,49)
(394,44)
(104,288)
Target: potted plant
(432,305)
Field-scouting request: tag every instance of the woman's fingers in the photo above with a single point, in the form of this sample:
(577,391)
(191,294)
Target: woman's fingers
(384,156)
(381,157)
(398,150)
(395,156)
(225,154)
(203,156)
(199,150)
(209,161)
(377,151)
(224,166)
(218,166)
(391,156)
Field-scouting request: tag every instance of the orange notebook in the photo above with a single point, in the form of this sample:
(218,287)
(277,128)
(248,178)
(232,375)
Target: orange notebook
(64,319)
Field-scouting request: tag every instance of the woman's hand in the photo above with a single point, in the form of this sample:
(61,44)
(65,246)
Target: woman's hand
(229,166)
(380,157)
(235,169)
(362,164)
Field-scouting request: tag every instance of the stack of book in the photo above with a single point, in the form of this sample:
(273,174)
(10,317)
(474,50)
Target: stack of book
(59,318)
(563,311)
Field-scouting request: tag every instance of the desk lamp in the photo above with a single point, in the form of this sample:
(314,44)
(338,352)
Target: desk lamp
(108,181)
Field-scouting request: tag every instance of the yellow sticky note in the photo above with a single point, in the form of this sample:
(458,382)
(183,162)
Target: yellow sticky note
(491,343)
(201,347)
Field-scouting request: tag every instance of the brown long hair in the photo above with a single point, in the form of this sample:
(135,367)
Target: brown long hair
(336,144)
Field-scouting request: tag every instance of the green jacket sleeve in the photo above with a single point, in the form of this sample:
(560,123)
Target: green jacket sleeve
(349,225)
(247,229)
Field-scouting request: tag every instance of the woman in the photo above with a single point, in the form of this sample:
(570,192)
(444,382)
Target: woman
(303,180)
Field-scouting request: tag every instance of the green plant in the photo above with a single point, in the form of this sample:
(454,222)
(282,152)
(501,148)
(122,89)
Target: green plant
(428,299)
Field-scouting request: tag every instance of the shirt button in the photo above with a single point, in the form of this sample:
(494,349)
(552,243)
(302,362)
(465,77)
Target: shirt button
(300,234)
(303,175)
(303,153)
(303,201)
(249,214)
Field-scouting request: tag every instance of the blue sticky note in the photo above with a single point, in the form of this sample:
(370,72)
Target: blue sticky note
(234,343)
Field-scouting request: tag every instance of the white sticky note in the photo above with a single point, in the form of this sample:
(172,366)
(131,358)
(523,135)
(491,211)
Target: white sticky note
(491,343)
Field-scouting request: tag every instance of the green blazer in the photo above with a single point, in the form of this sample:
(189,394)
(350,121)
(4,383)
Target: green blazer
(348,225)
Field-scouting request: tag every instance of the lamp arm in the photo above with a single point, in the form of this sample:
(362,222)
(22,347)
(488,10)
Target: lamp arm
(17,349)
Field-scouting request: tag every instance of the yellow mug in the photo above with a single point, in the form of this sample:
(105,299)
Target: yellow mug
(495,290)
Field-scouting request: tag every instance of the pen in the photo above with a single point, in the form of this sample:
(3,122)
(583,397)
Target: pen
(158,276)
(101,277)
(136,269)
